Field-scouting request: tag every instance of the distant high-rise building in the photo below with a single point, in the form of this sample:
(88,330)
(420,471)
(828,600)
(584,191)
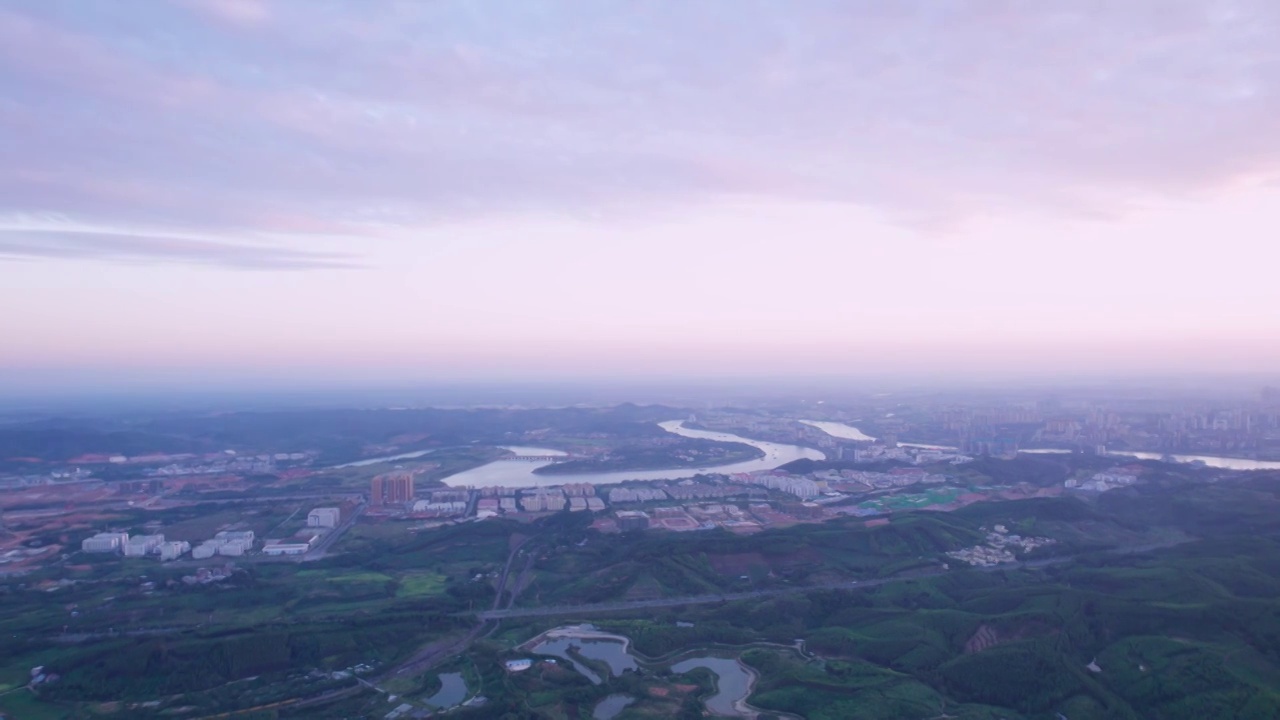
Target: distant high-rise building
(391,488)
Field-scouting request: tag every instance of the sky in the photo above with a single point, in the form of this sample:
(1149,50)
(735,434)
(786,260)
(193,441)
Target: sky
(310,191)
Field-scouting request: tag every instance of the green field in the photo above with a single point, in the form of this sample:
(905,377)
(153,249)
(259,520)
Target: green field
(914,500)
(419,584)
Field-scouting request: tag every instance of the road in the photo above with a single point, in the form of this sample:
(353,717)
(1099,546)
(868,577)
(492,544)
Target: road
(592,608)
(330,538)
(438,651)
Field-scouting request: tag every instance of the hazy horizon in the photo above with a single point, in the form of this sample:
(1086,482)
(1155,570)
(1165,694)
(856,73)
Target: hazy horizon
(239,194)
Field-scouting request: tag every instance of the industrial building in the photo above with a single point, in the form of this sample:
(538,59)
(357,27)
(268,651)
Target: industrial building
(451,508)
(325,517)
(287,549)
(142,545)
(232,543)
(205,550)
(173,550)
(105,542)
(632,520)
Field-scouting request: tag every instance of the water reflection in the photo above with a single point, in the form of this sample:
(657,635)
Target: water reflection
(453,690)
(611,652)
(520,473)
(733,682)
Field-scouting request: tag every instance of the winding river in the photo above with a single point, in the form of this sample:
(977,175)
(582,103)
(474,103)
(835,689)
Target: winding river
(849,432)
(1224,463)
(838,429)
(519,473)
(385,458)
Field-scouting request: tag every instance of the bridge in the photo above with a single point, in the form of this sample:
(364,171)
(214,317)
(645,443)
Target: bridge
(536,458)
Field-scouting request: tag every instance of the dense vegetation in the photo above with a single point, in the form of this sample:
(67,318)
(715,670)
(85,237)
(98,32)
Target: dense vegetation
(1168,589)
(673,453)
(340,435)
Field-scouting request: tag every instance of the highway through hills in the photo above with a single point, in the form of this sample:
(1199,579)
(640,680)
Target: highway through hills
(710,599)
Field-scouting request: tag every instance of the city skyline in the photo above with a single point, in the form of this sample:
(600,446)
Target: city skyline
(285,192)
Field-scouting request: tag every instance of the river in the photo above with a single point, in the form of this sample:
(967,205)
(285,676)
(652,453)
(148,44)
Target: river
(1223,463)
(386,458)
(519,473)
(1213,461)
(840,430)
(849,432)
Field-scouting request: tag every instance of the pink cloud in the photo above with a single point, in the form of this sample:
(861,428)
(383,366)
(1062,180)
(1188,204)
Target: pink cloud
(241,13)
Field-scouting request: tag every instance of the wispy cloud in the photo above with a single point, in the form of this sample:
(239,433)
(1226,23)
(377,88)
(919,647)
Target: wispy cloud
(428,111)
(26,244)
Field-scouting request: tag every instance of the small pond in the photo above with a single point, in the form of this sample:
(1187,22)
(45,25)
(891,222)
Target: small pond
(611,652)
(453,690)
(733,682)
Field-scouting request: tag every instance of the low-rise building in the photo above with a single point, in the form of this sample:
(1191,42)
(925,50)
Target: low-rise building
(141,545)
(543,500)
(325,517)
(639,494)
(448,507)
(286,549)
(105,542)
(205,550)
(173,550)
(235,548)
(632,520)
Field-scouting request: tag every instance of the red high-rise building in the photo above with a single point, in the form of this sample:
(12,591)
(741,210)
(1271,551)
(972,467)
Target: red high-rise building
(391,488)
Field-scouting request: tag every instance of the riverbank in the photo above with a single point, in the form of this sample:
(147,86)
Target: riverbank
(522,475)
(733,453)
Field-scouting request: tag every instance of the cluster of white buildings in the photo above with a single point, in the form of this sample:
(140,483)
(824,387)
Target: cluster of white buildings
(689,490)
(136,546)
(451,507)
(909,453)
(231,543)
(579,504)
(1000,548)
(105,542)
(543,500)
(801,487)
(1103,481)
(641,494)
(880,480)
